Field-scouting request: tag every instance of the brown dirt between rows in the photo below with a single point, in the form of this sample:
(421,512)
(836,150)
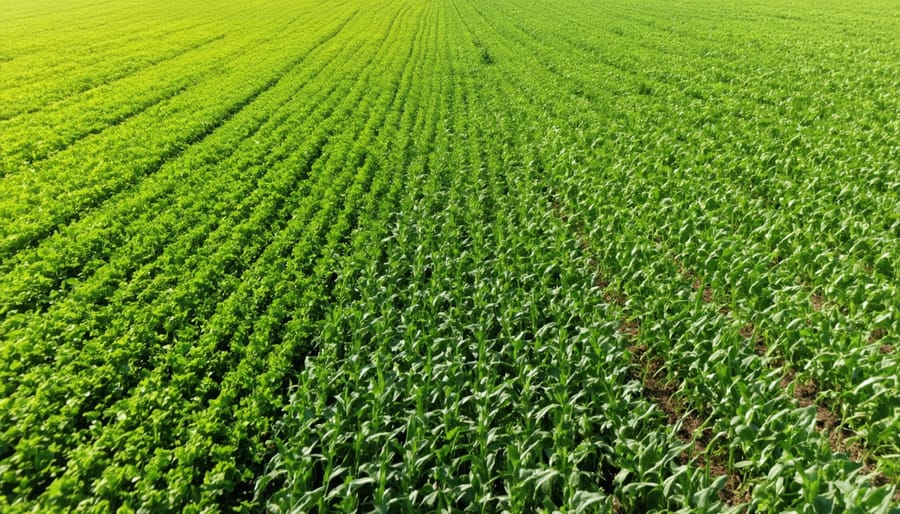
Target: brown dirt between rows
(691,428)
(707,295)
(630,327)
(877,335)
(661,393)
(817,301)
(805,393)
(829,423)
(609,294)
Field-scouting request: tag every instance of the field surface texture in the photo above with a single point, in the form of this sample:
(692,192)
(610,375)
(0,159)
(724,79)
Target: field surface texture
(450,255)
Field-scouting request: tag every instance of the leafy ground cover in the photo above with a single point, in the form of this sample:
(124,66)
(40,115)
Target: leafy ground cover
(450,256)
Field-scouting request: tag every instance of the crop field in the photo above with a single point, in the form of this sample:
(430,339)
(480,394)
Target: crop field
(450,255)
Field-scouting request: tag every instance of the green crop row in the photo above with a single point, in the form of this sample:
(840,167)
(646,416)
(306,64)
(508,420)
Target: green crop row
(178,279)
(456,255)
(46,61)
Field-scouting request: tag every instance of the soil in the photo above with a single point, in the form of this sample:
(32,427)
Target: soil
(817,301)
(630,328)
(691,430)
(877,335)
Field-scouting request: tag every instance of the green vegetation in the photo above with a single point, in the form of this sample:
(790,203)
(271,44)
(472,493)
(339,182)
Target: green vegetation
(450,255)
